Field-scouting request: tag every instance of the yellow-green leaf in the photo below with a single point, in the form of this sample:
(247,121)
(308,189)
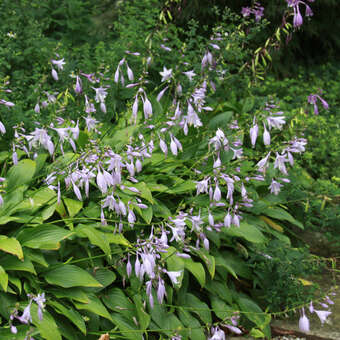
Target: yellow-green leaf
(11,246)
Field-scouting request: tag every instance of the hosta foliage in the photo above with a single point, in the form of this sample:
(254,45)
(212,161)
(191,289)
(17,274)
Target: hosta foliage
(142,217)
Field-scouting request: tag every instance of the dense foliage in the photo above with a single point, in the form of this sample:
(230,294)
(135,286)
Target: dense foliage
(143,173)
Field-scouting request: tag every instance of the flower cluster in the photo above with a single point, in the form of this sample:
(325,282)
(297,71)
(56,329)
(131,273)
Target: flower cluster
(322,314)
(257,10)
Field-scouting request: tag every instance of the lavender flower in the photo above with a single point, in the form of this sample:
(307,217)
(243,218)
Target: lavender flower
(322,315)
(304,323)
(166,74)
(312,100)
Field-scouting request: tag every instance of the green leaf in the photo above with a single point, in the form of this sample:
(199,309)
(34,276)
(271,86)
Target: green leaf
(183,188)
(71,314)
(237,263)
(220,289)
(198,307)
(95,236)
(143,317)
(249,232)
(47,326)
(281,214)
(3,279)
(221,309)
(45,236)
(76,294)
(104,276)
(11,246)
(144,191)
(174,262)
(196,269)
(73,206)
(195,331)
(253,312)
(117,239)
(95,306)
(208,260)
(16,282)
(127,327)
(7,302)
(221,262)
(12,263)
(69,275)
(222,119)
(116,300)
(147,214)
(21,173)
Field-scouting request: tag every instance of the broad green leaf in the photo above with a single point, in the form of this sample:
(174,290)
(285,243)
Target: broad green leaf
(208,260)
(37,199)
(40,162)
(183,188)
(13,263)
(165,319)
(127,327)
(45,236)
(21,173)
(237,263)
(68,275)
(144,191)
(116,300)
(11,246)
(16,282)
(73,206)
(117,239)
(73,315)
(220,120)
(95,306)
(198,307)
(143,317)
(157,187)
(220,289)
(196,269)
(6,334)
(76,294)
(147,214)
(281,214)
(221,262)
(104,276)
(221,309)
(195,330)
(253,312)
(7,302)
(3,279)
(95,236)
(256,333)
(47,326)
(249,232)
(174,262)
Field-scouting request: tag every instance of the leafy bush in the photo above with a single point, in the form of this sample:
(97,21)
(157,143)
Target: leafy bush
(143,216)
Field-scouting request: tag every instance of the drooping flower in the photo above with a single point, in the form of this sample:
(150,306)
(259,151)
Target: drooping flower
(312,98)
(304,322)
(322,314)
(59,63)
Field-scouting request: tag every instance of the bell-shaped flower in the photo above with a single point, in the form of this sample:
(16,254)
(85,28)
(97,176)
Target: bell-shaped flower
(304,323)
(266,136)
(54,74)
(253,134)
(323,315)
